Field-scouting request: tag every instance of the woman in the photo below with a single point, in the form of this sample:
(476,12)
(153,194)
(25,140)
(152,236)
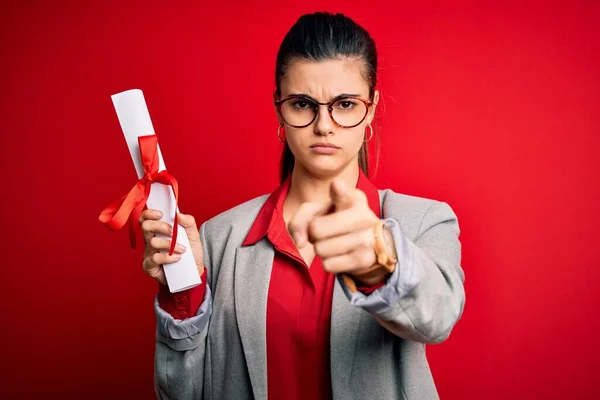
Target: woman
(271,319)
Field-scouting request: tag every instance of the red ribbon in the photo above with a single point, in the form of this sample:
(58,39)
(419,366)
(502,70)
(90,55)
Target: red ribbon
(130,206)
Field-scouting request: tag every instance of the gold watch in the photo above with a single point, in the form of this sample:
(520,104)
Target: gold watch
(384,246)
(385,252)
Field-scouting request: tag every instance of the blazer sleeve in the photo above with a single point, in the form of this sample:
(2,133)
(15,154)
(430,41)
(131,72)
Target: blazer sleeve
(181,346)
(424,297)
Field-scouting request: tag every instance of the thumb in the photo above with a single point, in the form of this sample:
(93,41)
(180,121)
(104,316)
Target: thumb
(340,194)
(189,223)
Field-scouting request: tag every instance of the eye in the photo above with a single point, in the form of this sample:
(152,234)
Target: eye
(345,104)
(302,104)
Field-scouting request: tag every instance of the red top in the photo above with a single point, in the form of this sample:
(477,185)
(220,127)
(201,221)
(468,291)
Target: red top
(298,305)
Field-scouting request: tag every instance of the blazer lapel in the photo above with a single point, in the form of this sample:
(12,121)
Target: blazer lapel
(345,320)
(253,266)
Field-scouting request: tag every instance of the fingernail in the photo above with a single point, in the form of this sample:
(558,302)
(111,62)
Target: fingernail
(157,214)
(176,257)
(180,248)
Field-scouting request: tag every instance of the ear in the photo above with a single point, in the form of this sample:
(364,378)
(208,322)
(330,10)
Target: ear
(373,107)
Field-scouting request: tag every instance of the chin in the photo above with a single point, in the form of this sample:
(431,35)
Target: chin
(324,167)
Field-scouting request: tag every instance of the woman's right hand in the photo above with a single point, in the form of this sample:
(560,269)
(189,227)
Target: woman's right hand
(153,259)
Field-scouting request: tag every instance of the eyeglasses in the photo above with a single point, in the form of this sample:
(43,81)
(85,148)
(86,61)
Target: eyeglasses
(299,111)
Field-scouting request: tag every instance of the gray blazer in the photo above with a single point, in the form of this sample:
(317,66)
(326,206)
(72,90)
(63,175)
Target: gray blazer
(377,341)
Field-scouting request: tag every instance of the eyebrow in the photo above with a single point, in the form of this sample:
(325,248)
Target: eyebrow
(339,96)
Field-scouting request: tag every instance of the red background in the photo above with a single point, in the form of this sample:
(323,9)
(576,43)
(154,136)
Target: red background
(492,108)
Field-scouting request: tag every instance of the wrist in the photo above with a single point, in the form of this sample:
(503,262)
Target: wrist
(374,276)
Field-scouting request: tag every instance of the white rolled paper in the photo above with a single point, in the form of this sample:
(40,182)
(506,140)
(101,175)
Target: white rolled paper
(135,122)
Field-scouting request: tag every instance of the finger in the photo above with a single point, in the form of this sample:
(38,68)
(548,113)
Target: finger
(344,197)
(147,236)
(150,228)
(154,227)
(341,195)
(298,225)
(164,258)
(150,214)
(340,245)
(165,244)
(189,223)
(353,262)
(339,223)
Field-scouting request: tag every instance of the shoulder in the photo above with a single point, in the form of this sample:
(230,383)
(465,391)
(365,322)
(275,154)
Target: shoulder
(408,203)
(414,213)
(241,217)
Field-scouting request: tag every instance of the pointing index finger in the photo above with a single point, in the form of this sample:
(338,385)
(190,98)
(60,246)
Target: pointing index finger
(298,226)
(341,194)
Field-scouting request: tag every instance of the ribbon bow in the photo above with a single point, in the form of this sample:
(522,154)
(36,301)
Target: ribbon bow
(130,206)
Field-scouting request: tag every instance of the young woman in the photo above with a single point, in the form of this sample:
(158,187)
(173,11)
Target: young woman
(327,288)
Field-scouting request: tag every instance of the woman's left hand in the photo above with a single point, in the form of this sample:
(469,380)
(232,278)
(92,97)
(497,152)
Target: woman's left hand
(342,231)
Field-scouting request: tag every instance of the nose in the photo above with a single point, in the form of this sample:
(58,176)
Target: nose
(324,125)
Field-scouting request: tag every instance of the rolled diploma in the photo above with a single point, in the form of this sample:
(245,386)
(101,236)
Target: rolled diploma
(135,121)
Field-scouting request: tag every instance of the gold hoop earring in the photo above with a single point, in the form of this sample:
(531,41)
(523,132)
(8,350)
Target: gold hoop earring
(279,133)
(371,134)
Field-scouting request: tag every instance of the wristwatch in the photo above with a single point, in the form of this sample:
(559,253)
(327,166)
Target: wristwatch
(384,246)
(385,252)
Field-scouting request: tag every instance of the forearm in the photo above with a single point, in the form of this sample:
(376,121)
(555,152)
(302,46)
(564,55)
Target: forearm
(424,297)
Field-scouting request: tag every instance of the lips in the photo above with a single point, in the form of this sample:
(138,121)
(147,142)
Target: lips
(331,145)
(327,149)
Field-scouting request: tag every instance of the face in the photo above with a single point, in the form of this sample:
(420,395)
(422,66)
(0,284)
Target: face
(324,82)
